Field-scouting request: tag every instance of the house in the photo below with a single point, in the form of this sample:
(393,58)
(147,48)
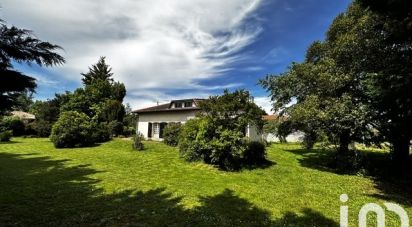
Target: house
(24,116)
(152,120)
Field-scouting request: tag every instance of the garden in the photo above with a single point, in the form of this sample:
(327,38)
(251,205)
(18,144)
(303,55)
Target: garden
(112,184)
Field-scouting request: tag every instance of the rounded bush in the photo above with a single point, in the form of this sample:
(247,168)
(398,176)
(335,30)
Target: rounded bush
(171,134)
(72,129)
(14,124)
(5,136)
(255,153)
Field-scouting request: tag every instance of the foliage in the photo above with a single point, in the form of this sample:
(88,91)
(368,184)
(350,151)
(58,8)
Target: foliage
(14,124)
(171,133)
(191,140)
(21,46)
(233,110)
(101,132)
(72,129)
(23,101)
(98,72)
(47,113)
(115,128)
(101,99)
(279,127)
(6,135)
(255,153)
(138,141)
(217,135)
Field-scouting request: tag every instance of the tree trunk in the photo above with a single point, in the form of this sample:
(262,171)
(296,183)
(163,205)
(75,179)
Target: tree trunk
(401,150)
(344,142)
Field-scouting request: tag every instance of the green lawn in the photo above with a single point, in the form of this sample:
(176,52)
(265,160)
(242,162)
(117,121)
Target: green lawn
(111,184)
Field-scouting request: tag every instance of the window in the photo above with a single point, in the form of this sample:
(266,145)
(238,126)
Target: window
(155,128)
(188,104)
(178,105)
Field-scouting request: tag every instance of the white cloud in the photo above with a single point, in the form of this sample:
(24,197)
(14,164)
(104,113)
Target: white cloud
(151,45)
(265,103)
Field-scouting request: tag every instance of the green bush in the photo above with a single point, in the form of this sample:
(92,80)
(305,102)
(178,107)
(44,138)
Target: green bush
(101,132)
(5,136)
(255,154)
(192,141)
(128,131)
(171,134)
(115,128)
(138,141)
(15,124)
(41,128)
(72,129)
(201,140)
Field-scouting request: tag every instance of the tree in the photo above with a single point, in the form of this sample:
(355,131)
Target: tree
(21,46)
(217,136)
(356,84)
(280,127)
(323,100)
(373,41)
(100,71)
(233,110)
(47,113)
(24,101)
(101,99)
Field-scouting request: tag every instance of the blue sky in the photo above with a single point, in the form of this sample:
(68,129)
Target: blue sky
(178,49)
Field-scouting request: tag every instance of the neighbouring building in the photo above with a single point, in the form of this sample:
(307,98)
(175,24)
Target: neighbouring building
(24,116)
(152,120)
(294,137)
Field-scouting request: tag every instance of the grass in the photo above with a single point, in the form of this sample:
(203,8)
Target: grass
(113,185)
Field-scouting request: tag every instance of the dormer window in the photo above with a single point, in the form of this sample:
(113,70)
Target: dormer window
(188,104)
(178,105)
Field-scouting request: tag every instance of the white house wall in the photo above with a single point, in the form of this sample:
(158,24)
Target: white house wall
(158,117)
(293,137)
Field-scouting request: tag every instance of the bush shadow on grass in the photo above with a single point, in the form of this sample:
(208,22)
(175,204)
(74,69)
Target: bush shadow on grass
(393,184)
(265,164)
(39,191)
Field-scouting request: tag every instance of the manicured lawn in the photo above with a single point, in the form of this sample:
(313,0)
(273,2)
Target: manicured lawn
(111,184)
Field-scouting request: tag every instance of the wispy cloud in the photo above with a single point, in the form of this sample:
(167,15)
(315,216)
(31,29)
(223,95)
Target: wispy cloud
(152,44)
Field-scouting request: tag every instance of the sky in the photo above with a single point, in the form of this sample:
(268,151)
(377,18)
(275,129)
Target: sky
(174,49)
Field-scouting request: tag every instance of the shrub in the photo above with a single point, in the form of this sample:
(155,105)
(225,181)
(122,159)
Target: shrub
(41,128)
(227,147)
(5,136)
(255,153)
(101,132)
(115,128)
(171,134)
(72,129)
(14,124)
(192,141)
(201,140)
(138,141)
(128,131)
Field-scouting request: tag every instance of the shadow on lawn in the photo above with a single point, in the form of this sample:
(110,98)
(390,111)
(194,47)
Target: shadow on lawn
(39,191)
(394,185)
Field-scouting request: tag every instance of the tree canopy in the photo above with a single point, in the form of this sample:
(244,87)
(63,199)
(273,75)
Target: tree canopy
(356,84)
(21,46)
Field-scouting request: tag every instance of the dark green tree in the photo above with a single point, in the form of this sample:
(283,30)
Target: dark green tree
(99,71)
(20,45)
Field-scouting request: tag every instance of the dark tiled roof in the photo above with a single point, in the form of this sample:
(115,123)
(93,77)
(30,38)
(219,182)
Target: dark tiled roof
(166,107)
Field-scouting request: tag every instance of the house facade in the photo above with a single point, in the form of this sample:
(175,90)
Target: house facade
(153,120)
